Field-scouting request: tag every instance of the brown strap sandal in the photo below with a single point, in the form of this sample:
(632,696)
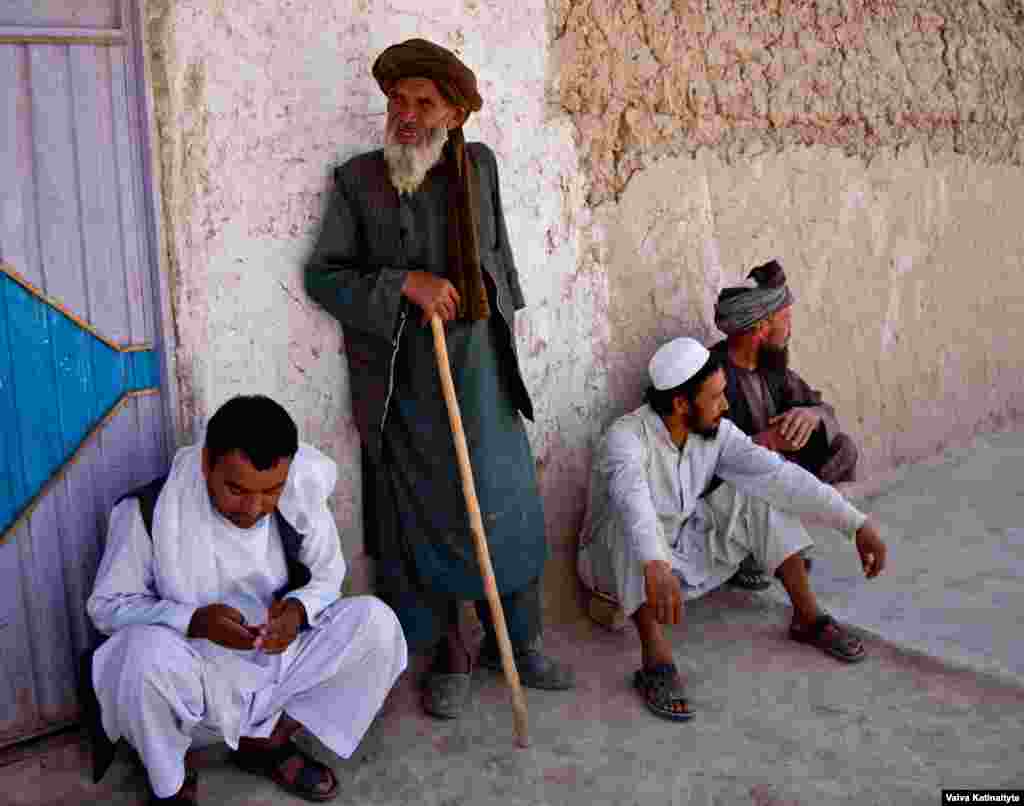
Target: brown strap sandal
(831,637)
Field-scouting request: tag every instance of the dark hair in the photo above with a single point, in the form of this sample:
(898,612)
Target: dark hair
(661,399)
(255,425)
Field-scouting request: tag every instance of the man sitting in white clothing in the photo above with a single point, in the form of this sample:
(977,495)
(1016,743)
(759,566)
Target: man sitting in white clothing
(220,591)
(649,539)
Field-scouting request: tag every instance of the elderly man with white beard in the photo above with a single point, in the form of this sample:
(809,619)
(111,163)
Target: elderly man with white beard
(413,230)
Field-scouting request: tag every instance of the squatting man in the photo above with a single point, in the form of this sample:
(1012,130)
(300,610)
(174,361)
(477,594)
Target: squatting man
(768,400)
(650,540)
(220,591)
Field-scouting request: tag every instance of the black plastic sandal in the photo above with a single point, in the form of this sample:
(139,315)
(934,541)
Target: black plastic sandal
(659,686)
(839,643)
(310,774)
(749,580)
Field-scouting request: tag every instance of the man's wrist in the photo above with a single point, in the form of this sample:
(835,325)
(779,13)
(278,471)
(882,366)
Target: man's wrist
(407,280)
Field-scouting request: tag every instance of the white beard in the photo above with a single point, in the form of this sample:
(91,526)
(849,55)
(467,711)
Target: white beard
(408,164)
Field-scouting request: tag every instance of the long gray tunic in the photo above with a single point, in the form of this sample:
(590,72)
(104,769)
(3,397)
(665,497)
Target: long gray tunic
(416,516)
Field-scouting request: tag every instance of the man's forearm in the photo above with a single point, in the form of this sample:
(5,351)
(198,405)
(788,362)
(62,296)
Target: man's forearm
(804,494)
(112,613)
(367,301)
(315,598)
(764,474)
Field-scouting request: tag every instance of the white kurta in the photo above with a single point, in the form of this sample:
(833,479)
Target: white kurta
(645,505)
(162,691)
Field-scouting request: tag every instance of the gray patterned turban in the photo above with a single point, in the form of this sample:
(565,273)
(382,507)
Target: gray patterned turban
(741,307)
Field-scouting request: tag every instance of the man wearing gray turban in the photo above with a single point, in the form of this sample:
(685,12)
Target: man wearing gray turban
(414,230)
(769,401)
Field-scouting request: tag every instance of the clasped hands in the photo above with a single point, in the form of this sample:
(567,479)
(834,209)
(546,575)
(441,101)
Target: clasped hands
(225,625)
(789,431)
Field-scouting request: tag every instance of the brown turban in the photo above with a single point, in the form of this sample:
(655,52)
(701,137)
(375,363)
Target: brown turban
(418,58)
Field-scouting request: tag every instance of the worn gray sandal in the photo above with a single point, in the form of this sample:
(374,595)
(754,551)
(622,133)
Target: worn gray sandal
(535,669)
(446,694)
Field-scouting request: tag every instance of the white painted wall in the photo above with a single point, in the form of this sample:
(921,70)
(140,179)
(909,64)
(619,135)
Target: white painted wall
(255,102)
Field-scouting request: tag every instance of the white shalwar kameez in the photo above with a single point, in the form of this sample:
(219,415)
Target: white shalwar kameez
(163,692)
(645,505)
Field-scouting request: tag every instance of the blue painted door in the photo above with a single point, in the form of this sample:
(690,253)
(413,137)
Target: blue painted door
(81,394)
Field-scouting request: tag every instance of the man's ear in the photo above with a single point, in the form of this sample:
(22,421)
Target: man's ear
(681,405)
(206,463)
(761,329)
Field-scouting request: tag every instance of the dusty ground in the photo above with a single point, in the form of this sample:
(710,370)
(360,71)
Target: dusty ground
(940,702)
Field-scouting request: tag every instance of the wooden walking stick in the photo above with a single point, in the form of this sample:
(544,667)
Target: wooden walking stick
(476,527)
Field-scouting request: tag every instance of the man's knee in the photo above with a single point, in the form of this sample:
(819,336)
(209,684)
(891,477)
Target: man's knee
(380,620)
(151,654)
(376,623)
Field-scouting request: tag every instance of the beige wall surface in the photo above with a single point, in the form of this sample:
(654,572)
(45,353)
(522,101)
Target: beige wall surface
(650,154)
(907,274)
(873,147)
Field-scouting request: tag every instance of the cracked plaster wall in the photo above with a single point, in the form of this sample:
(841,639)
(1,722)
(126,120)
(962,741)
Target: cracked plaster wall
(254,102)
(872,146)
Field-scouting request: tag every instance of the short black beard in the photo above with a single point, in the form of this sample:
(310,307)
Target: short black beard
(708,431)
(773,358)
